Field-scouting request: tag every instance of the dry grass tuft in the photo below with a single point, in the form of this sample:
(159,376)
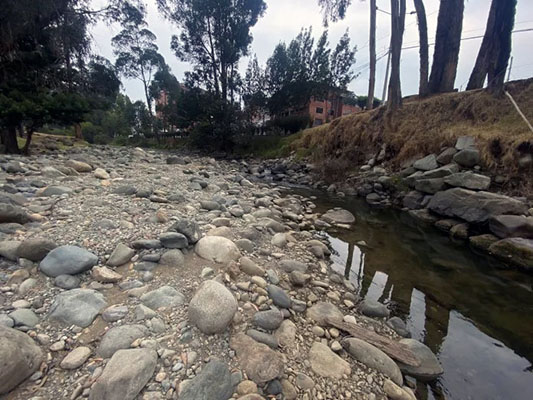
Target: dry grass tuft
(425,126)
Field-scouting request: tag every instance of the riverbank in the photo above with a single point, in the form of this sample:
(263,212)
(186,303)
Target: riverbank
(197,282)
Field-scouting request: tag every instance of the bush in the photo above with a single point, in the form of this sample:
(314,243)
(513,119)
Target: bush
(289,124)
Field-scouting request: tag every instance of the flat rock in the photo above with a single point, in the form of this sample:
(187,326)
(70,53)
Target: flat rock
(474,207)
(321,310)
(429,367)
(326,363)
(76,358)
(77,307)
(339,216)
(518,251)
(212,307)
(105,275)
(68,260)
(218,249)
(212,383)
(427,163)
(35,249)
(20,357)
(165,296)
(260,362)
(125,375)
(373,358)
(173,240)
(505,226)
(120,337)
(468,180)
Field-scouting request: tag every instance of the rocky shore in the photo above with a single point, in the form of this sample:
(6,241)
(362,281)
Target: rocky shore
(132,274)
(449,190)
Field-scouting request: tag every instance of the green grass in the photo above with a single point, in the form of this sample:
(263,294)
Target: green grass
(266,146)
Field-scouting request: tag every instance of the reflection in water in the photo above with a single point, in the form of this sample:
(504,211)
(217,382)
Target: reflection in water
(476,318)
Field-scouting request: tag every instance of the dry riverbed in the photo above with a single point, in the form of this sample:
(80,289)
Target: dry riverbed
(132,274)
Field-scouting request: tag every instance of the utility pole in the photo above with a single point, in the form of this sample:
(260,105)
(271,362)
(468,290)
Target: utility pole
(372,79)
(386,82)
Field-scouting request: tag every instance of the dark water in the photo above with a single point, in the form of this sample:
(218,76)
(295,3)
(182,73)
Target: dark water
(476,316)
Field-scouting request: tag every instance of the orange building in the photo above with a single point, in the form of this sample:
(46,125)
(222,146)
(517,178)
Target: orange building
(323,111)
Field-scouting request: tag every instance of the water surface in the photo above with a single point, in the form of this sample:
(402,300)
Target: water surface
(473,313)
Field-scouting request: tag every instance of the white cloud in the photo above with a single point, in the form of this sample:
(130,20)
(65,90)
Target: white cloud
(284,19)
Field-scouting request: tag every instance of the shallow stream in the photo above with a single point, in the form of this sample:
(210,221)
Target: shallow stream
(476,316)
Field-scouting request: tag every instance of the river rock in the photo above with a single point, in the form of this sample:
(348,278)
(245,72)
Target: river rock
(24,317)
(20,357)
(249,267)
(9,249)
(101,173)
(263,337)
(505,226)
(260,362)
(468,180)
(326,363)
(173,240)
(125,375)
(372,308)
(120,337)
(212,307)
(395,392)
(67,281)
(321,310)
(339,216)
(279,297)
(429,367)
(115,312)
(165,296)
(427,163)
(105,275)
(293,265)
(286,333)
(35,249)
(77,307)
(397,324)
(217,249)
(68,260)
(430,186)
(54,191)
(75,358)
(474,207)
(121,255)
(189,228)
(373,358)
(172,258)
(9,213)
(269,320)
(518,251)
(212,383)
(467,157)
(78,166)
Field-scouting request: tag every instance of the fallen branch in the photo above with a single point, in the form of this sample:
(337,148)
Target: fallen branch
(518,110)
(391,347)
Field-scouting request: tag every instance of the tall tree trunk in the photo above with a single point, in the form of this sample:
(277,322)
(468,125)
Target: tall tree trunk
(9,139)
(372,47)
(397,28)
(447,45)
(499,60)
(77,131)
(29,135)
(424,47)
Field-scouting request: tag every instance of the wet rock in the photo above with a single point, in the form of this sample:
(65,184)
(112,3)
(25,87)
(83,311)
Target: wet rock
(125,375)
(339,216)
(165,296)
(373,358)
(35,249)
(68,260)
(212,307)
(375,309)
(482,242)
(398,326)
(326,363)
(77,307)
(321,310)
(474,207)
(217,249)
(76,358)
(121,255)
(260,363)
(20,357)
(518,251)
(429,367)
(212,383)
(120,337)
(505,226)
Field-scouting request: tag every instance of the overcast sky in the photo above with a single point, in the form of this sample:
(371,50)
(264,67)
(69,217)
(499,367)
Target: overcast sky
(283,20)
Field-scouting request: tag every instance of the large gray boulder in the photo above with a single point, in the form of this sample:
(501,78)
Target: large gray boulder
(77,307)
(339,216)
(68,260)
(120,337)
(217,249)
(212,383)
(505,226)
(474,207)
(468,180)
(518,251)
(429,368)
(374,358)
(212,307)
(35,249)
(20,357)
(125,375)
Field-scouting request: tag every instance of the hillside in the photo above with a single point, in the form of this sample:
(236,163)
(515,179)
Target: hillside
(425,126)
